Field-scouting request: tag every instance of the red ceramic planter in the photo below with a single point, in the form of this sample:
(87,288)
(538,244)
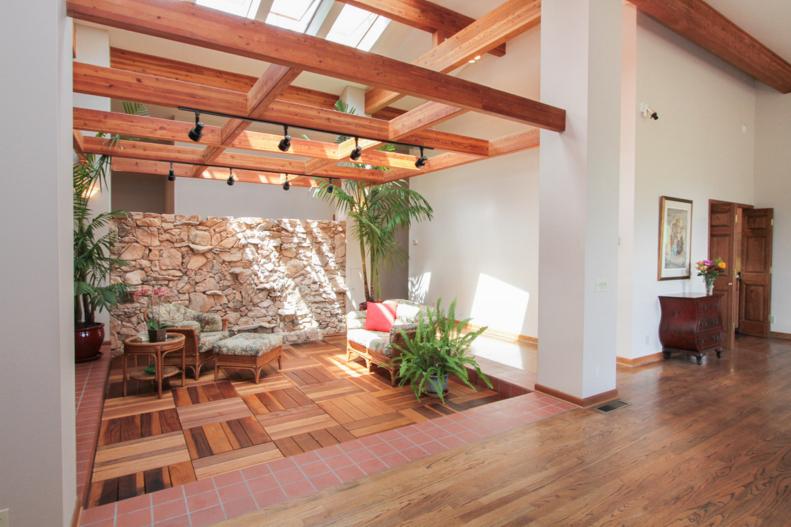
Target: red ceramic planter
(88,339)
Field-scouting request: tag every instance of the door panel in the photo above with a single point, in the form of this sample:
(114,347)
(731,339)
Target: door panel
(722,225)
(756,294)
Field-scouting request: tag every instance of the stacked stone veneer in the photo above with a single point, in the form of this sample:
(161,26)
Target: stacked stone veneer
(285,276)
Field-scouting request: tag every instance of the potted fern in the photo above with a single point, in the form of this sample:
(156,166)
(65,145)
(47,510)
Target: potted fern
(438,348)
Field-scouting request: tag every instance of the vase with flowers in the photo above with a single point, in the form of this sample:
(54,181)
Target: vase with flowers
(710,270)
(156,332)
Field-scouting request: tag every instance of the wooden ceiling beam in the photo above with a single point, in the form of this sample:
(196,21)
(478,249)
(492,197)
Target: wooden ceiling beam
(501,146)
(499,25)
(184,71)
(161,168)
(192,156)
(424,116)
(151,89)
(697,21)
(424,15)
(272,83)
(176,20)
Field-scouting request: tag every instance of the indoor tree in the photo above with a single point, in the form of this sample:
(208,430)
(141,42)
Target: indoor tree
(377,212)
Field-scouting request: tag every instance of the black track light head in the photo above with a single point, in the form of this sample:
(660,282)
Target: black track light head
(421,161)
(196,133)
(171,173)
(357,153)
(284,143)
(330,188)
(286,185)
(231,180)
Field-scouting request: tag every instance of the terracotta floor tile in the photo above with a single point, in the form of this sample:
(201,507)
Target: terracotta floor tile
(263,483)
(322,481)
(298,489)
(168,510)
(201,501)
(207,517)
(350,473)
(269,497)
(179,521)
(140,518)
(239,506)
(229,478)
(231,492)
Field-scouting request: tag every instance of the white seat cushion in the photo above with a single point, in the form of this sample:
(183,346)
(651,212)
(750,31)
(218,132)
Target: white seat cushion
(378,341)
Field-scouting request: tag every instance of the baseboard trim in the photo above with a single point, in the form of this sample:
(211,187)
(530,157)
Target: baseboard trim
(780,335)
(587,401)
(505,336)
(639,361)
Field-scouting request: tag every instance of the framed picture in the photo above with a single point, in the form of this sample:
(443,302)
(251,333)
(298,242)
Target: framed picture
(675,238)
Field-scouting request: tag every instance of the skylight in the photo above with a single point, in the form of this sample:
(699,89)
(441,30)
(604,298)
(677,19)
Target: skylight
(294,15)
(357,28)
(245,8)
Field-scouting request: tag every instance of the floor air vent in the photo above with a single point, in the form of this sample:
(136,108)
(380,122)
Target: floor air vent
(610,406)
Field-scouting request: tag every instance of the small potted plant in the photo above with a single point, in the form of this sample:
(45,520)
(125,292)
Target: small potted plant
(710,270)
(156,332)
(438,348)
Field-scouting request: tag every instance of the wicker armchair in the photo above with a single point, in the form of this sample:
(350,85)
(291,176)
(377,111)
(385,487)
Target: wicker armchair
(378,347)
(201,332)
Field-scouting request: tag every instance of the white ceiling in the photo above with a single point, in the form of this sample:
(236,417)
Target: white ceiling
(767,20)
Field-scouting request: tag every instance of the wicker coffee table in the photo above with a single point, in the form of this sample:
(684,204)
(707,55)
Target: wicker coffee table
(138,346)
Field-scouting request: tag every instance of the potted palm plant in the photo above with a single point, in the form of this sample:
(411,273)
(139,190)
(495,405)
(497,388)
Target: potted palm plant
(94,239)
(377,212)
(438,348)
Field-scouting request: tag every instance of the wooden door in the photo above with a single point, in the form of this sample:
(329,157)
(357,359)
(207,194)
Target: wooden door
(722,244)
(756,282)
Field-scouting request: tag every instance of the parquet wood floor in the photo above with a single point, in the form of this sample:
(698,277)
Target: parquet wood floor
(206,428)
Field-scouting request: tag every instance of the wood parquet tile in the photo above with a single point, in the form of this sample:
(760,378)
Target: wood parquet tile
(209,427)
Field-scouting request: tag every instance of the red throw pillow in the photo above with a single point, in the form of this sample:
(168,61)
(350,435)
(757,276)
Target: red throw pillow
(379,317)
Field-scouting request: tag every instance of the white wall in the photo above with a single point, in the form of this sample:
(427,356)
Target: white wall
(701,148)
(482,246)
(215,198)
(773,189)
(37,441)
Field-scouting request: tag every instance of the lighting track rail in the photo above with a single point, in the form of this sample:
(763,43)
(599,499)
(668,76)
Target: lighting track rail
(286,126)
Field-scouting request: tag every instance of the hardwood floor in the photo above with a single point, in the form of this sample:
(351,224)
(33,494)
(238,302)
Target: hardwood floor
(697,445)
(207,428)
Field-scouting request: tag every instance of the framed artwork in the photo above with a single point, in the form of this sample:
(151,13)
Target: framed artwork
(675,238)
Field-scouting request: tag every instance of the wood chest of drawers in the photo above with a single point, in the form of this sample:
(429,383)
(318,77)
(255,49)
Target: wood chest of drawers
(691,323)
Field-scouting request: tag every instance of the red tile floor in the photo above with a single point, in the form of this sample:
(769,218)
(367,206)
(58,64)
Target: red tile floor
(232,494)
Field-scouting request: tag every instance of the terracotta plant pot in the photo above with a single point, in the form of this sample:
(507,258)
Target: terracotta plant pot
(88,339)
(157,335)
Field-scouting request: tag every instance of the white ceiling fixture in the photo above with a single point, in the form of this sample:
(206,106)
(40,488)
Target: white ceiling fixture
(357,28)
(245,8)
(294,15)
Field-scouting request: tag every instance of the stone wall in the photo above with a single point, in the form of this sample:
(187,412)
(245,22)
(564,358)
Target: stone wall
(285,276)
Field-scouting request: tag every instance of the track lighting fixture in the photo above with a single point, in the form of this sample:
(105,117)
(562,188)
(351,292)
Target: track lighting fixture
(330,188)
(231,180)
(285,143)
(286,185)
(171,173)
(421,161)
(196,133)
(357,153)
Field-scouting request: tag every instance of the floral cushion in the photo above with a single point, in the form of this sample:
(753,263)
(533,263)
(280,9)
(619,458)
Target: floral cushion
(374,340)
(181,324)
(252,344)
(407,312)
(209,321)
(355,320)
(209,338)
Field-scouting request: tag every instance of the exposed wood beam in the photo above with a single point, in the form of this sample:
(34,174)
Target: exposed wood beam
(180,154)
(185,71)
(177,21)
(499,25)
(76,139)
(426,115)
(161,168)
(423,15)
(272,83)
(702,24)
(504,145)
(141,87)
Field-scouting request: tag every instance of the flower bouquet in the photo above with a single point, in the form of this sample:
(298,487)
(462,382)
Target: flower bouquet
(156,333)
(710,270)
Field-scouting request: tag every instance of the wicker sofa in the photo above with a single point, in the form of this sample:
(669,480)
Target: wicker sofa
(201,332)
(378,347)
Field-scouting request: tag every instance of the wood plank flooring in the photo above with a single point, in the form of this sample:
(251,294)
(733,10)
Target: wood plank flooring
(697,445)
(207,428)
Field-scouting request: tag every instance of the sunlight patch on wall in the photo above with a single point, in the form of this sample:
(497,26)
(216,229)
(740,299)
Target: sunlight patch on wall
(499,305)
(419,286)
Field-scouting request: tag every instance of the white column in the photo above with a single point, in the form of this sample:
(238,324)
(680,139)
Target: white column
(578,241)
(37,442)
